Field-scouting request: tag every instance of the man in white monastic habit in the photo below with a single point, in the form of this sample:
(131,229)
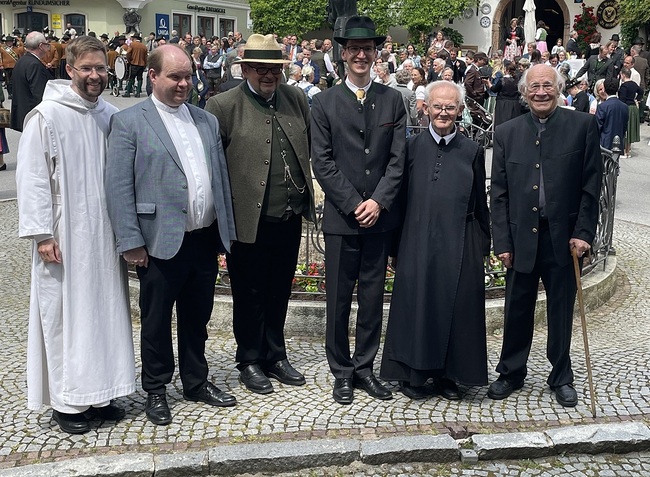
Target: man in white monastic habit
(80,346)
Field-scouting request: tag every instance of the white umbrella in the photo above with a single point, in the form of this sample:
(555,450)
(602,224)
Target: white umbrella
(530,24)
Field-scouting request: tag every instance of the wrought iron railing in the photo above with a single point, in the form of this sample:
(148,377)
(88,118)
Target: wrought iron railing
(310,273)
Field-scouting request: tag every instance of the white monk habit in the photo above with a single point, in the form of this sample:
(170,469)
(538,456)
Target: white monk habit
(80,343)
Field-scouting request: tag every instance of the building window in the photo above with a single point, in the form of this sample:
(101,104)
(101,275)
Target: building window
(182,24)
(77,21)
(206,26)
(31,21)
(226,26)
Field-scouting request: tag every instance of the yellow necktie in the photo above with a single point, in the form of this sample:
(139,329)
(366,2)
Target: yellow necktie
(361,95)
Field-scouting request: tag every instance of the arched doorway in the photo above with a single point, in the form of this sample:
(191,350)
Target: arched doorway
(554,13)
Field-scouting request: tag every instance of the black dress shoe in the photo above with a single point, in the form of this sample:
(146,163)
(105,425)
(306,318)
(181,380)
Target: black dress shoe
(157,409)
(447,389)
(212,395)
(503,387)
(285,373)
(3,167)
(71,423)
(253,378)
(112,412)
(566,395)
(372,386)
(343,392)
(414,392)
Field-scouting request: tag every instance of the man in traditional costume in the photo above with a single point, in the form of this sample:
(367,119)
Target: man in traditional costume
(80,346)
(265,131)
(436,326)
(358,136)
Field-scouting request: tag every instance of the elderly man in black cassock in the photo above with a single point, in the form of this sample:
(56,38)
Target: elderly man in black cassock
(436,326)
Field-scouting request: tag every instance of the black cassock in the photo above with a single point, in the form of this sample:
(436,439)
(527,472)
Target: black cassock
(436,326)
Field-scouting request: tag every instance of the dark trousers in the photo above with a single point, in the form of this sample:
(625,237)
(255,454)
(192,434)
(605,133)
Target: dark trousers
(135,74)
(521,295)
(188,280)
(261,275)
(9,83)
(349,258)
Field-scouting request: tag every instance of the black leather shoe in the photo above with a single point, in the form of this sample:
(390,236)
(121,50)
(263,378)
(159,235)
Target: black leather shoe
(112,412)
(253,378)
(157,409)
(566,395)
(372,386)
(3,167)
(343,392)
(71,423)
(212,395)
(414,392)
(502,388)
(137,95)
(126,95)
(285,373)
(447,389)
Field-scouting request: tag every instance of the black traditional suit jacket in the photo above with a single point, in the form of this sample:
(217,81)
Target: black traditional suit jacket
(29,79)
(572,171)
(357,153)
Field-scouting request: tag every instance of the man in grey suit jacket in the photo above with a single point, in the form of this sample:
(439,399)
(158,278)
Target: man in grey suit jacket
(169,201)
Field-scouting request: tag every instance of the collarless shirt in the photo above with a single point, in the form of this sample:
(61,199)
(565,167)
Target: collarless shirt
(189,147)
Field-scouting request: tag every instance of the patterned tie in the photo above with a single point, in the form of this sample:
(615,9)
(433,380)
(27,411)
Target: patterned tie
(361,95)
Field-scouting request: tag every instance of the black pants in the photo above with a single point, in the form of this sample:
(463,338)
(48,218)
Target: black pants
(9,83)
(261,275)
(521,295)
(188,280)
(135,74)
(349,258)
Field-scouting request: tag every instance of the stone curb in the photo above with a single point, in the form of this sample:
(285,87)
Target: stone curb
(292,456)
(307,318)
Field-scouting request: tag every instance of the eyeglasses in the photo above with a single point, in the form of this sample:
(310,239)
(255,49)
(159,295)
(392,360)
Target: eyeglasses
(86,70)
(355,50)
(46,44)
(263,70)
(437,108)
(547,87)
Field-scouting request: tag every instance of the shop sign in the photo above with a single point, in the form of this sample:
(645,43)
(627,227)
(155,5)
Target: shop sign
(162,25)
(204,8)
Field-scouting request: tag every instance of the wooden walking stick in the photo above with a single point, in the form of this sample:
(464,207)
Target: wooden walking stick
(583,320)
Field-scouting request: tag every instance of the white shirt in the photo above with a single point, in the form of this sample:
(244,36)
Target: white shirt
(188,144)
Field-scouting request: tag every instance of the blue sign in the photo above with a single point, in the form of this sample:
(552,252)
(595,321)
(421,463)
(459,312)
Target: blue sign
(162,25)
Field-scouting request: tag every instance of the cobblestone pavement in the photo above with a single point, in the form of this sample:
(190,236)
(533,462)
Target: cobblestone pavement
(618,339)
(606,465)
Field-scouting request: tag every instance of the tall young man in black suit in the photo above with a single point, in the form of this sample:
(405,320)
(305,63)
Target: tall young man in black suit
(358,144)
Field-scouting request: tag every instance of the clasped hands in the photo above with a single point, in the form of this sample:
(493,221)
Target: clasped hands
(367,213)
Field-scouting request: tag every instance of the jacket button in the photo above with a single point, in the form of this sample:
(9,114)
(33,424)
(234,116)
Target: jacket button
(367,172)
(184,186)
(537,142)
(268,121)
(266,163)
(536,166)
(366,150)
(262,183)
(268,141)
(535,187)
(534,209)
(184,211)
(259,205)
(534,230)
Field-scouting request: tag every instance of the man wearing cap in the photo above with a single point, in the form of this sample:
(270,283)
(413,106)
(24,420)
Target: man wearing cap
(136,56)
(358,147)
(265,132)
(579,98)
(8,57)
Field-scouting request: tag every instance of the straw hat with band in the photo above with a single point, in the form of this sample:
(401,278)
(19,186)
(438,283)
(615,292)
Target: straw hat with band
(262,49)
(359,28)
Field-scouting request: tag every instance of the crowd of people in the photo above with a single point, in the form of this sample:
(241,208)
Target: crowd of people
(165,185)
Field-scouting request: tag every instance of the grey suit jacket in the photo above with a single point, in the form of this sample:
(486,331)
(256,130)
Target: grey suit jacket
(146,187)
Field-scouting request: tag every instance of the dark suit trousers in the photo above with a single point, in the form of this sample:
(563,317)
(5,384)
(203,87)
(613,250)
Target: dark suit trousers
(261,275)
(349,258)
(188,280)
(521,295)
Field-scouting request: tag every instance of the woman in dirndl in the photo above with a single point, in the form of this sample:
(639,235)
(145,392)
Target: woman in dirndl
(630,93)
(513,37)
(540,37)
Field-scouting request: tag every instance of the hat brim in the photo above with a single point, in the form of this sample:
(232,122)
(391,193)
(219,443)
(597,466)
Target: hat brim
(262,60)
(342,40)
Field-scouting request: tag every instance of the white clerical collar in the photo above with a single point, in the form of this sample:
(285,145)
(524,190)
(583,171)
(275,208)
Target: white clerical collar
(164,107)
(437,137)
(353,87)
